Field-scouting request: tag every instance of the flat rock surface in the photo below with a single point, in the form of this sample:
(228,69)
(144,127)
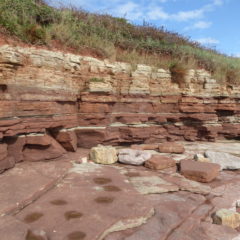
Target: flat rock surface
(64,200)
(225,160)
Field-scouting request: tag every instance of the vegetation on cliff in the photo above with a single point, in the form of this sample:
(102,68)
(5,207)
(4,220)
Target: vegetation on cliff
(35,22)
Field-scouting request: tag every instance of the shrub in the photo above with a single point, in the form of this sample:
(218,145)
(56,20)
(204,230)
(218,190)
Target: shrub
(178,73)
(96,80)
(233,76)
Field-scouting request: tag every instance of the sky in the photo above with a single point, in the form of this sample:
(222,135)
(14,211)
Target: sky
(213,23)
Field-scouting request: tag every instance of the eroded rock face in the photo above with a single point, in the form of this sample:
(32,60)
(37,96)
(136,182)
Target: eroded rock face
(199,171)
(171,147)
(225,160)
(42,147)
(158,162)
(3,151)
(15,147)
(133,157)
(6,161)
(68,139)
(109,103)
(103,154)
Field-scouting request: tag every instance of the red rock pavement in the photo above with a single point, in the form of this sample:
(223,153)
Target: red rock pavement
(62,200)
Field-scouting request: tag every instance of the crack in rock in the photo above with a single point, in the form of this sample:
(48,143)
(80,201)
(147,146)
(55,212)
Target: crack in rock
(127,224)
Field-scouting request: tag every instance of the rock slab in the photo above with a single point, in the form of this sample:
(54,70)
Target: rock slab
(171,147)
(42,147)
(199,171)
(153,185)
(158,162)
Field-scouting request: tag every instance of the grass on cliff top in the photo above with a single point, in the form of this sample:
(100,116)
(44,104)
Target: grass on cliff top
(35,22)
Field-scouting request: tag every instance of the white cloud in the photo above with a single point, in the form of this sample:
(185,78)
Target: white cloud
(199,25)
(207,41)
(202,25)
(218,2)
(154,11)
(237,55)
(139,10)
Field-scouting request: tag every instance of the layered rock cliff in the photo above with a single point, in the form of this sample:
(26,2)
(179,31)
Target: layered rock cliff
(84,101)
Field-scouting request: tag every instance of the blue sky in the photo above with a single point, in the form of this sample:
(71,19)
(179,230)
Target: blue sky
(213,23)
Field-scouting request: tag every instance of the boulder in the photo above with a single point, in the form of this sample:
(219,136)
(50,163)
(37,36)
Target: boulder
(42,147)
(199,171)
(68,139)
(133,157)
(103,154)
(158,162)
(171,147)
(227,217)
(225,160)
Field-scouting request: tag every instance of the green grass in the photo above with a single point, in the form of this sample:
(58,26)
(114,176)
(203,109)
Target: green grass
(101,80)
(33,21)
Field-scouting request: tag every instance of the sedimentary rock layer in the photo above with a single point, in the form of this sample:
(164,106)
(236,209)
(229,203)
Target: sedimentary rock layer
(47,92)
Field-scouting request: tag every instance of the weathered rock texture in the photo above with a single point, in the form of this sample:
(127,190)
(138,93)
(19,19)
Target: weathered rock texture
(110,103)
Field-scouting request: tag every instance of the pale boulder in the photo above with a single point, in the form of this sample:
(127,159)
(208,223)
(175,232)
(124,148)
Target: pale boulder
(103,154)
(133,157)
(227,217)
(225,160)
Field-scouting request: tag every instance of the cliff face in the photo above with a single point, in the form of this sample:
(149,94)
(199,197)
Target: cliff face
(111,103)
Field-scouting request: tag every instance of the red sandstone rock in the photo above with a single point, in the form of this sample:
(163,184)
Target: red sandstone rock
(171,147)
(202,117)
(158,162)
(199,171)
(15,147)
(68,140)
(88,138)
(6,163)
(43,140)
(93,119)
(196,108)
(11,228)
(145,147)
(166,107)
(133,107)
(94,108)
(3,151)
(131,118)
(170,99)
(45,149)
